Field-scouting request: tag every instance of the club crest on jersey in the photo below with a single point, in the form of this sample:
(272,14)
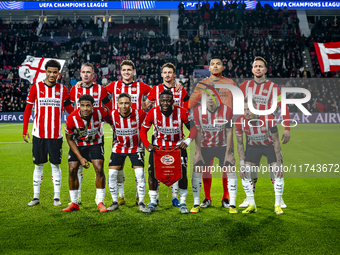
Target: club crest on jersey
(134,89)
(177,93)
(175,122)
(265,91)
(57,93)
(95,93)
(167,159)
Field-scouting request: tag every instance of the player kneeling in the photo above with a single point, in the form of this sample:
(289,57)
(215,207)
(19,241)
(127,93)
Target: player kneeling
(83,135)
(127,123)
(263,140)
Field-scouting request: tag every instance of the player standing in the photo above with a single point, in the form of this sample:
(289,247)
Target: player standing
(216,69)
(49,98)
(263,95)
(181,98)
(262,140)
(100,96)
(84,136)
(127,123)
(214,142)
(168,120)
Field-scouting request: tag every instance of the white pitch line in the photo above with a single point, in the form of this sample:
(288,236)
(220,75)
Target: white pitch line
(13,142)
(10,125)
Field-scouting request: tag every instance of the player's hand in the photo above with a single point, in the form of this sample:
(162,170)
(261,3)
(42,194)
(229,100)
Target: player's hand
(178,86)
(183,145)
(84,163)
(150,148)
(197,158)
(278,170)
(243,172)
(285,136)
(78,84)
(229,158)
(28,137)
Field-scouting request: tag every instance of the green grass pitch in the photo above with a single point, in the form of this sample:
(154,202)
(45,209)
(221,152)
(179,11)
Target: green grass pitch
(310,224)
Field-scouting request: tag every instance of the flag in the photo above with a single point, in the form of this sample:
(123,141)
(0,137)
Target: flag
(328,56)
(33,69)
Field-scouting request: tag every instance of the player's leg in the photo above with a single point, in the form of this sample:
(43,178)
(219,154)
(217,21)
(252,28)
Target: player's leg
(137,160)
(272,178)
(174,192)
(153,185)
(196,186)
(96,153)
(39,150)
(55,152)
(121,183)
(208,157)
(80,178)
(183,183)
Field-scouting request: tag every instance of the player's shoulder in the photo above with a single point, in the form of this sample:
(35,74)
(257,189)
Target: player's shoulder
(244,84)
(140,111)
(239,119)
(74,113)
(225,80)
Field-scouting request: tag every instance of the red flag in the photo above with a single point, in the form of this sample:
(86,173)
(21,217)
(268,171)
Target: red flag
(328,56)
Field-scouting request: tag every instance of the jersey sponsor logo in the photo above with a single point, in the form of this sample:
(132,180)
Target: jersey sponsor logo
(169,130)
(260,99)
(167,159)
(213,127)
(54,102)
(126,132)
(258,137)
(87,132)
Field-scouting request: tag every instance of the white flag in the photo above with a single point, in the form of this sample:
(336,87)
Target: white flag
(33,69)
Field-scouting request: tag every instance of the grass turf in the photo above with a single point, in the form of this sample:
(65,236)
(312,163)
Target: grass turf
(310,224)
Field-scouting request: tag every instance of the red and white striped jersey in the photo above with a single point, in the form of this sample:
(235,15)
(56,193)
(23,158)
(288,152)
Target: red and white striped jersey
(262,93)
(126,130)
(136,90)
(49,103)
(179,96)
(258,132)
(168,131)
(214,125)
(86,132)
(98,92)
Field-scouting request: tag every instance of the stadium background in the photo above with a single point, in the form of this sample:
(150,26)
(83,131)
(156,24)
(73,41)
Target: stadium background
(150,34)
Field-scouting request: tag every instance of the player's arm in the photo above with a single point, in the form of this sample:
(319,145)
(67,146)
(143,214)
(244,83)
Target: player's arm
(147,104)
(106,100)
(67,101)
(74,148)
(150,100)
(32,96)
(144,132)
(190,125)
(198,156)
(277,149)
(240,150)
(229,140)
(286,134)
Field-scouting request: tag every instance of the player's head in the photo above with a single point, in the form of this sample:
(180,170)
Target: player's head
(127,69)
(166,100)
(87,72)
(52,68)
(124,103)
(216,66)
(212,99)
(86,105)
(247,113)
(168,72)
(259,67)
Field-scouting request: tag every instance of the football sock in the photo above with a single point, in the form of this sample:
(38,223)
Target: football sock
(113,184)
(74,196)
(37,179)
(137,187)
(254,176)
(56,178)
(153,196)
(278,188)
(101,195)
(80,180)
(272,177)
(121,181)
(174,189)
(139,172)
(248,186)
(225,185)
(183,193)
(207,184)
(196,187)
(158,184)
(232,187)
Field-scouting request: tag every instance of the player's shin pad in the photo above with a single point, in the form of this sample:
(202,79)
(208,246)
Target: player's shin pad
(113,184)
(247,183)
(232,187)
(139,172)
(196,187)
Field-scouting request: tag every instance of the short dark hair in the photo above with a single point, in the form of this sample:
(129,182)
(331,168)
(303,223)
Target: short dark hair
(87,64)
(124,95)
(86,97)
(127,63)
(52,63)
(167,92)
(216,57)
(260,59)
(168,65)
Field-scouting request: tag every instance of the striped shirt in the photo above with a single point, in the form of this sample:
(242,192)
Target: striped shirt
(180,97)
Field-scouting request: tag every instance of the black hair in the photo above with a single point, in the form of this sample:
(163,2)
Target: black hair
(86,97)
(167,92)
(124,95)
(53,63)
(217,57)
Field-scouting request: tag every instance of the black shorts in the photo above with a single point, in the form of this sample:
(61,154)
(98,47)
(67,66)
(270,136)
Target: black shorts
(89,152)
(209,153)
(118,159)
(254,154)
(41,147)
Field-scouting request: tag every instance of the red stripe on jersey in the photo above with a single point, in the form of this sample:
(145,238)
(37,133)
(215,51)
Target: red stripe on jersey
(257,133)
(136,90)
(167,130)
(84,132)
(96,91)
(127,131)
(49,102)
(214,125)
(156,91)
